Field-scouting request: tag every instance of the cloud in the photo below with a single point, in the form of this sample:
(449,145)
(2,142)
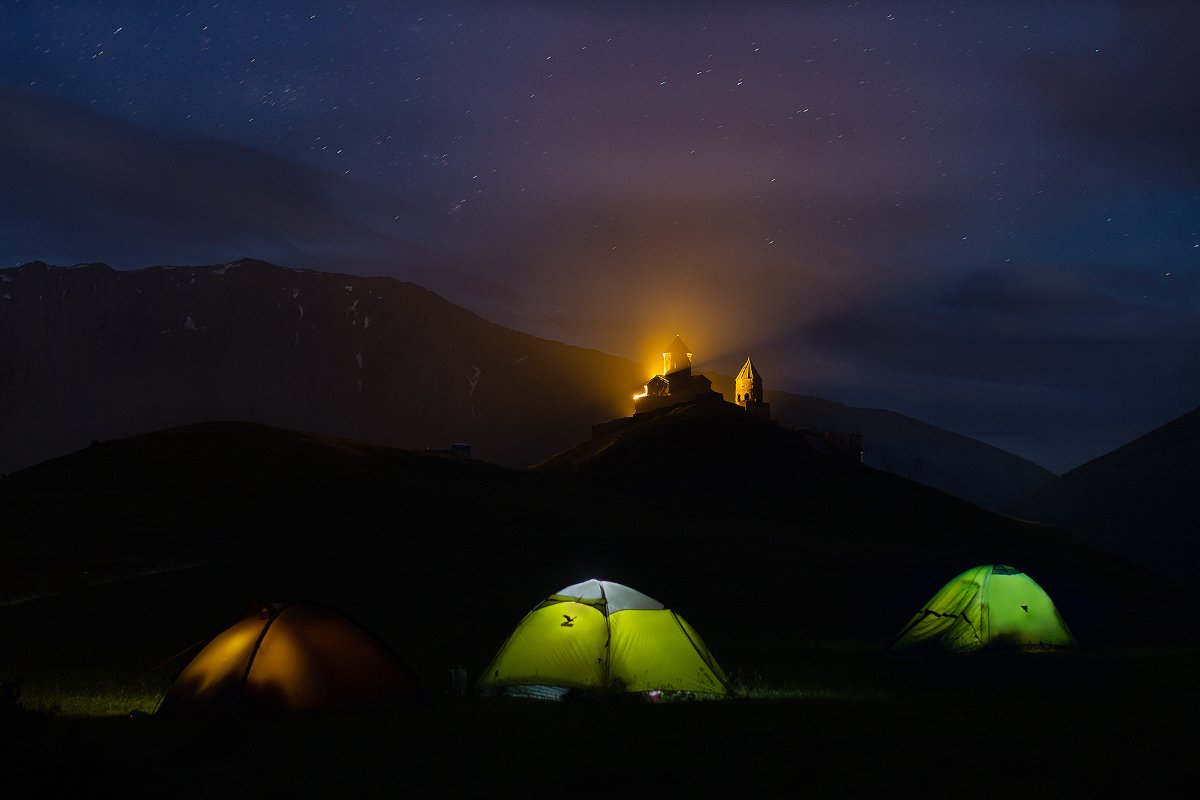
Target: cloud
(76,186)
(1049,324)
(1135,100)
(1086,356)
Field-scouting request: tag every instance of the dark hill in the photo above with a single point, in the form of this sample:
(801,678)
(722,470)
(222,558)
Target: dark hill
(189,526)
(690,445)
(795,577)
(1141,500)
(960,465)
(219,490)
(93,353)
(722,480)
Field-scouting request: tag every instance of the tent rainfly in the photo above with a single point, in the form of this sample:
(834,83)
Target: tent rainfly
(291,657)
(604,639)
(993,606)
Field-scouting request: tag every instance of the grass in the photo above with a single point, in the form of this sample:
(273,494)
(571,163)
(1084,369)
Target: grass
(816,711)
(795,598)
(1094,722)
(85,694)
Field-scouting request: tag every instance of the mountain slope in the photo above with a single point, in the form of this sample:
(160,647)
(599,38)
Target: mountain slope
(105,354)
(964,467)
(723,482)
(1141,500)
(409,542)
(441,558)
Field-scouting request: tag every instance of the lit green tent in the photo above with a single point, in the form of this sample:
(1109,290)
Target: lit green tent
(993,606)
(604,639)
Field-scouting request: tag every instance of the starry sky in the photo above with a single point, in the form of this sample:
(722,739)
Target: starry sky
(984,215)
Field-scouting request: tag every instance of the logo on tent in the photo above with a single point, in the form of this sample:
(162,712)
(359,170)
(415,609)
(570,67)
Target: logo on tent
(570,623)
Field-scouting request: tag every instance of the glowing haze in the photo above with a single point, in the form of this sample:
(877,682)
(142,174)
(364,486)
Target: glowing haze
(982,215)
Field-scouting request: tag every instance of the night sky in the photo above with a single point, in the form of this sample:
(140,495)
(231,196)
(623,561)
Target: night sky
(984,215)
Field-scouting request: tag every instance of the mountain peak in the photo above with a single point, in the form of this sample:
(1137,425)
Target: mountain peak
(1140,500)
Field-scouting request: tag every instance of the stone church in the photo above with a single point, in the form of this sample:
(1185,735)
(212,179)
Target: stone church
(676,384)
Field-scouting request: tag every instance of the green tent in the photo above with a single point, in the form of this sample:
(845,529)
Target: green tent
(604,639)
(992,606)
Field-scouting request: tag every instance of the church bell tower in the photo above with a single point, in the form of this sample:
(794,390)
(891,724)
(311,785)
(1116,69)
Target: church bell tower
(748,388)
(677,358)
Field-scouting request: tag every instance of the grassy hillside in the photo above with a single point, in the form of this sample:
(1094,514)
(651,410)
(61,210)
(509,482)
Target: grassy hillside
(796,574)
(408,541)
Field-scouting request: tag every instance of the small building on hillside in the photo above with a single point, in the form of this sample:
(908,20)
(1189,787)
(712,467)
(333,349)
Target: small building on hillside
(850,444)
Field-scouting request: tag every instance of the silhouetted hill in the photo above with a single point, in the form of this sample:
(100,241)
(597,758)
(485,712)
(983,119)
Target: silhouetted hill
(688,446)
(93,353)
(964,467)
(136,551)
(713,477)
(1141,500)
(410,542)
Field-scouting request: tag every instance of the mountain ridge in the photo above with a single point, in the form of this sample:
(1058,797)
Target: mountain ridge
(905,446)
(313,514)
(106,353)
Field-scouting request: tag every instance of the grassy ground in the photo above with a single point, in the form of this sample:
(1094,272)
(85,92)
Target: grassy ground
(1045,726)
(817,714)
(796,587)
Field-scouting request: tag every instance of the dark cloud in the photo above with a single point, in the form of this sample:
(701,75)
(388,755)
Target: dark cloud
(75,186)
(1133,99)
(1086,362)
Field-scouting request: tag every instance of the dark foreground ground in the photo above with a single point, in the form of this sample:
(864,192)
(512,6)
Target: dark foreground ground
(120,561)
(1103,724)
(818,715)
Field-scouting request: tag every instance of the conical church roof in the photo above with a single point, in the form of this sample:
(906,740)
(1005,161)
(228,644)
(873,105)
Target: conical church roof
(677,356)
(679,349)
(749,371)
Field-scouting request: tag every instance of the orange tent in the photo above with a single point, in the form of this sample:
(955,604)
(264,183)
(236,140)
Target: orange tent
(291,657)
